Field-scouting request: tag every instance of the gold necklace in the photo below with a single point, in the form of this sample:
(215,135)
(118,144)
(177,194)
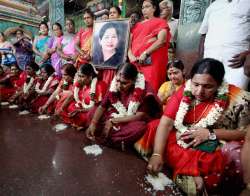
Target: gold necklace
(203,112)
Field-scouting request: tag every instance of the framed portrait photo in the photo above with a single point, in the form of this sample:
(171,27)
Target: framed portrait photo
(110,43)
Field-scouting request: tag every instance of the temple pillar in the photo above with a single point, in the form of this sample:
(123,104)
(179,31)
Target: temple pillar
(56,11)
(191,16)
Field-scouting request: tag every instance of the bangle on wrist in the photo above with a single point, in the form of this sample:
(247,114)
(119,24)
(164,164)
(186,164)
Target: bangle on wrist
(157,155)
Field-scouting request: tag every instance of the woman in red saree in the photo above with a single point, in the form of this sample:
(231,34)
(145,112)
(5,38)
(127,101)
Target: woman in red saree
(88,92)
(46,85)
(199,135)
(123,113)
(11,82)
(149,45)
(59,98)
(24,95)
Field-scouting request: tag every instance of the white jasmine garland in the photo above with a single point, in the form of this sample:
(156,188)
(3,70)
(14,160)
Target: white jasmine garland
(26,87)
(113,85)
(213,115)
(133,105)
(76,97)
(122,111)
(45,87)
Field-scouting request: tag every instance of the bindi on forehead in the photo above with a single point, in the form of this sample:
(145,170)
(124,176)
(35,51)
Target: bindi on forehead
(173,69)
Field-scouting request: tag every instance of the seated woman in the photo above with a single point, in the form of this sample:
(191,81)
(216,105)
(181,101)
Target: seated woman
(45,86)
(24,95)
(123,112)
(11,82)
(88,92)
(199,135)
(176,79)
(57,101)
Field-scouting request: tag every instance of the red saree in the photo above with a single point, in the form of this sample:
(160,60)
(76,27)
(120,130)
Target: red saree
(40,100)
(107,75)
(13,85)
(81,119)
(60,98)
(219,169)
(144,34)
(129,132)
(85,37)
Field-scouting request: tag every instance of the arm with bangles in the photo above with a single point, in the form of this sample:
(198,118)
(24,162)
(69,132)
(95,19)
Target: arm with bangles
(51,99)
(90,132)
(230,135)
(200,135)
(156,161)
(62,54)
(126,119)
(67,100)
(77,45)
(160,41)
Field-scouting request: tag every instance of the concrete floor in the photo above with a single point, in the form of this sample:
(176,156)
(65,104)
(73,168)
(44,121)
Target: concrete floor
(36,160)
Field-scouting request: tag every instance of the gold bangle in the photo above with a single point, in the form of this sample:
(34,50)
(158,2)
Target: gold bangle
(157,155)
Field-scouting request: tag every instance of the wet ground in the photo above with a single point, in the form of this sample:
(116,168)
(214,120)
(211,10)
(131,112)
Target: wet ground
(36,160)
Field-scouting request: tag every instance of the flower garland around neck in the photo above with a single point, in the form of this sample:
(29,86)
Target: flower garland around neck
(28,85)
(220,104)
(91,94)
(134,103)
(45,86)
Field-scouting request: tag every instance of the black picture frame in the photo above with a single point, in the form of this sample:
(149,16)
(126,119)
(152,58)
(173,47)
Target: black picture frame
(120,43)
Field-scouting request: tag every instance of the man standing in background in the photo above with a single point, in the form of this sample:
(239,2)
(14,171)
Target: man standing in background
(225,36)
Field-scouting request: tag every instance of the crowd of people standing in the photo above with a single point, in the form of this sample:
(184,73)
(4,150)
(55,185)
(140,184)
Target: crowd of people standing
(195,126)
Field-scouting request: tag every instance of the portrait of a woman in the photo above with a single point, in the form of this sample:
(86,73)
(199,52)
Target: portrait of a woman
(108,46)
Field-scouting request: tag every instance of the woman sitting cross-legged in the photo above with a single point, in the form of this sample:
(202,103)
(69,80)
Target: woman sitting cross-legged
(23,96)
(124,111)
(11,82)
(200,134)
(46,85)
(88,92)
(57,102)
(176,78)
